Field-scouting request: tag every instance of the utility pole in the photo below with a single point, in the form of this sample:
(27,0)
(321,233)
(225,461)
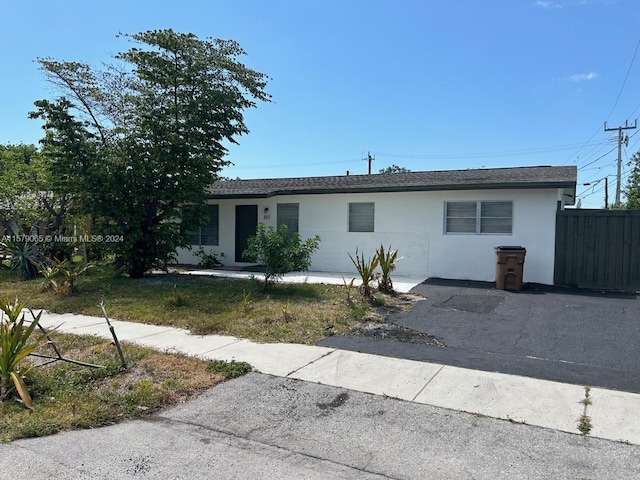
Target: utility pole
(621,139)
(370,158)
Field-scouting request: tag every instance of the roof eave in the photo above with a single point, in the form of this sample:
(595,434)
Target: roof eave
(398,189)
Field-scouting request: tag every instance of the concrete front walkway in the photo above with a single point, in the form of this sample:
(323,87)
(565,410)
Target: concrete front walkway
(516,398)
(400,283)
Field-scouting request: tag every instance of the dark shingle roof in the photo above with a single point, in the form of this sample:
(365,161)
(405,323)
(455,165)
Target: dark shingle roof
(491,178)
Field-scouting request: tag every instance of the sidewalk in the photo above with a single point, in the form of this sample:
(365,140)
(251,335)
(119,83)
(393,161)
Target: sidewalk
(518,399)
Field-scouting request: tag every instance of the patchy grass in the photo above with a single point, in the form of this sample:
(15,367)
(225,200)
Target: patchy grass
(230,369)
(68,397)
(292,313)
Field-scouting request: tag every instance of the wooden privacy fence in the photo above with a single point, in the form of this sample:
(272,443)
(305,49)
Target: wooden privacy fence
(598,249)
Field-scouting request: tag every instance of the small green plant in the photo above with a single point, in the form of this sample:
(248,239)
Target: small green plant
(230,369)
(61,276)
(286,312)
(348,287)
(17,344)
(388,261)
(584,422)
(207,260)
(247,303)
(176,300)
(23,257)
(280,252)
(366,268)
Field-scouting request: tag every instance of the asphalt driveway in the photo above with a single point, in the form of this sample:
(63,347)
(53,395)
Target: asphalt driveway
(571,336)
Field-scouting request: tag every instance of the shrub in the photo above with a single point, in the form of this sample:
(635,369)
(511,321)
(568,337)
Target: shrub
(279,252)
(388,261)
(23,257)
(62,276)
(366,268)
(207,260)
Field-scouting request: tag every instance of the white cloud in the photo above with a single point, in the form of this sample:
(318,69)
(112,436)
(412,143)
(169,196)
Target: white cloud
(583,77)
(545,4)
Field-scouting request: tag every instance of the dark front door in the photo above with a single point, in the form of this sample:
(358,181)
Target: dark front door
(246,225)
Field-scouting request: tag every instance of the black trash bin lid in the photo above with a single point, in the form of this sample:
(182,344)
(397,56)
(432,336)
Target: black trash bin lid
(510,247)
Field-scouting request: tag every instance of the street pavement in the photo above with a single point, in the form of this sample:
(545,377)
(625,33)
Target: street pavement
(324,412)
(268,427)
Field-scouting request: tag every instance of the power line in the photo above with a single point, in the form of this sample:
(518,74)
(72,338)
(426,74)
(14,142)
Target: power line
(584,145)
(626,77)
(270,165)
(594,161)
(614,104)
(507,153)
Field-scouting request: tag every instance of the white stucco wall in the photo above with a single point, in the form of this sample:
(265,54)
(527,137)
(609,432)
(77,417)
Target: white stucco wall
(412,222)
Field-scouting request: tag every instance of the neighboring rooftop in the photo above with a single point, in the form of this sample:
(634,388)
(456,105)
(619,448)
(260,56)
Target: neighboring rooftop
(489,178)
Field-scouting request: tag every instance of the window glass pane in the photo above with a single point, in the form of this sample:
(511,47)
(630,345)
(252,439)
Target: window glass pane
(209,234)
(496,209)
(496,217)
(361,217)
(461,217)
(461,209)
(288,215)
(461,225)
(495,225)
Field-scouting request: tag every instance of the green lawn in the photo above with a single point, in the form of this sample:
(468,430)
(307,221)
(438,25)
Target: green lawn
(292,313)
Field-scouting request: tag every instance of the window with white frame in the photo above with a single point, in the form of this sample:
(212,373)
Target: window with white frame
(288,215)
(361,217)
(490,217)
(207,235)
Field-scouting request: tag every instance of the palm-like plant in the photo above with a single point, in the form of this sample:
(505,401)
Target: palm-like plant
(388,261)
(366,268)
(16,344)
(23,256)
(52,269)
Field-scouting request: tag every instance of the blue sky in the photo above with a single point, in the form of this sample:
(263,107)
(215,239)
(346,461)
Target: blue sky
(427,85)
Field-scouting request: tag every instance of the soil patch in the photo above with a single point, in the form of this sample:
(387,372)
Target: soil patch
(390,331)
(376,325)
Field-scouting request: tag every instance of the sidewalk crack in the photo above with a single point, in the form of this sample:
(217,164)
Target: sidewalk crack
(311,362)
(427,384)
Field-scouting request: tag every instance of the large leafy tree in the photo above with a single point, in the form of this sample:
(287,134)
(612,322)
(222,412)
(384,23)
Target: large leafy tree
(19,203)
(29,195)
(151,129)
(632,191)
(394,169)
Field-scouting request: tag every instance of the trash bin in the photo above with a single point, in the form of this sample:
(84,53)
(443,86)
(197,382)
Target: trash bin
(509,267)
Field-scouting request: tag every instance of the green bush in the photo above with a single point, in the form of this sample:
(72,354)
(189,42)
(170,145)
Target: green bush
(207,260)
(279,252)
